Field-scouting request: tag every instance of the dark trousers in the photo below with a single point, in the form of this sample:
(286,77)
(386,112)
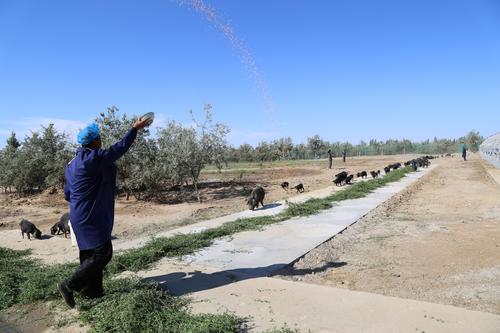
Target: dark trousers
(88,277)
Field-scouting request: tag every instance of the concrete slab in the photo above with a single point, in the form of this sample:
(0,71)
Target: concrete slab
(312,308)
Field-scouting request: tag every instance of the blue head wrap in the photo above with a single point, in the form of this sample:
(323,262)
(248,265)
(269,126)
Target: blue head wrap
(88,134)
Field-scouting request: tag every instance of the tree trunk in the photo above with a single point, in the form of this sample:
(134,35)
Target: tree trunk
(195,182)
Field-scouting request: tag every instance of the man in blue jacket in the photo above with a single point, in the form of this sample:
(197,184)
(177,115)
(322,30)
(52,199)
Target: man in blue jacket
(90,190)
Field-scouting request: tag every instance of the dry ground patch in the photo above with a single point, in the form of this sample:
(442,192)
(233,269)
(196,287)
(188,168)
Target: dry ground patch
(438,241)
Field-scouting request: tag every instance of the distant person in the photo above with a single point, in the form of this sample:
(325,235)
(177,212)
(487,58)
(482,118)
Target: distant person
(344,153)
(464,153)
(90,190)
(330,159)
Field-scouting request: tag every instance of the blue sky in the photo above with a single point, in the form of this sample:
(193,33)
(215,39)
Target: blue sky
(346,70)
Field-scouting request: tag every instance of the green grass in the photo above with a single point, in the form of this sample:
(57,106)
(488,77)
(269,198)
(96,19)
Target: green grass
(143,307)
(309,207)
(24,280)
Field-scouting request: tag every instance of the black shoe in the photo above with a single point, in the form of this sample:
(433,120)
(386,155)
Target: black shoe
(67,294)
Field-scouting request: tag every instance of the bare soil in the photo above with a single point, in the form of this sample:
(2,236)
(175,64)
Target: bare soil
(437,241)
(40,318)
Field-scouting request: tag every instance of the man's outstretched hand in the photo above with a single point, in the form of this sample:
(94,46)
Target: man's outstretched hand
(141,123)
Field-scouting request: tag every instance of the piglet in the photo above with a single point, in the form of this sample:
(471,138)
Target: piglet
(29,228)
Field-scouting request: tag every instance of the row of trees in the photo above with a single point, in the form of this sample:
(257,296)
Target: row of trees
(316,147)
(177,154)
(37,163)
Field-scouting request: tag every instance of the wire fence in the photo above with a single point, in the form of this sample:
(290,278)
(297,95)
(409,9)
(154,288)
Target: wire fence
(490,150)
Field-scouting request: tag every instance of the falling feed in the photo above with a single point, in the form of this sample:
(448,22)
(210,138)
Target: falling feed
(244,52)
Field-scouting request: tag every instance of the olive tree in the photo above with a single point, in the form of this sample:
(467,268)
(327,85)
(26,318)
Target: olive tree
(188,149)
(40,161)
(315,144)
(473,139)
(8,157)
(56,152)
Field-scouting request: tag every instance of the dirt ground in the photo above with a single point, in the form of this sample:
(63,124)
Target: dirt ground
(438,241)
(222,193)
(43,318)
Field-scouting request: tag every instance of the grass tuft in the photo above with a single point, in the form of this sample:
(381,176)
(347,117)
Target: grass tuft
(309,207)
(283,329)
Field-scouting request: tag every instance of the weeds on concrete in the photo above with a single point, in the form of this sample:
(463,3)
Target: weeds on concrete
(310,207)
(355,191)
(183,244)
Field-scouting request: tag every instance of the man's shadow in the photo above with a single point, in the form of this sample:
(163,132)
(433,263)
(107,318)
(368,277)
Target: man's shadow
(182,283)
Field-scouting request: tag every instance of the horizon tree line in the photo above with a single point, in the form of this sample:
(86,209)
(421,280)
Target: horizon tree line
(177,154)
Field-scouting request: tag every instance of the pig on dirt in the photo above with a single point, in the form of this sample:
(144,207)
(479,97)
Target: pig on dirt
(256,197)
(61,226)
(362,174)
(340,178)
(29,228)
(299,187)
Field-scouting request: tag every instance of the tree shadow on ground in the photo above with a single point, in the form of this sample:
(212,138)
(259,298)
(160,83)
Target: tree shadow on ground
(182,283)
(209,190)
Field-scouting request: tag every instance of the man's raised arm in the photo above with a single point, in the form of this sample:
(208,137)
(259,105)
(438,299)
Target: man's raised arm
(120,148)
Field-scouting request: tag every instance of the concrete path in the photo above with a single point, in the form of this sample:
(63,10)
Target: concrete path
(280,244)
